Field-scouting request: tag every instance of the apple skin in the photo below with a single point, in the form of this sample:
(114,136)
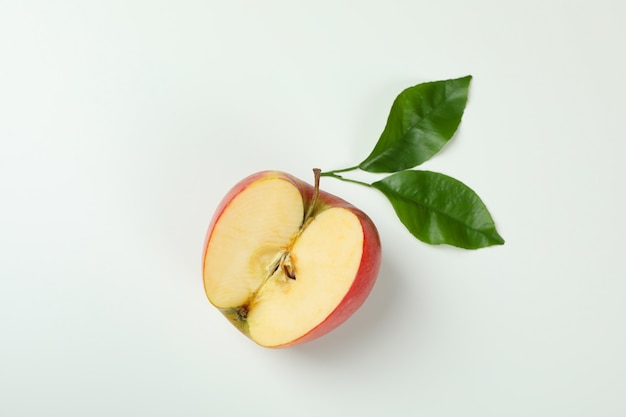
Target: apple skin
(370,260)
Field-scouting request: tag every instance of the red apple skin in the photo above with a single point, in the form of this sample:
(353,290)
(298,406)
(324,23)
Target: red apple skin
(370,259)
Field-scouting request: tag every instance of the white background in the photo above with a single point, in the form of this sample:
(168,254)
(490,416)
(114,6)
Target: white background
(123,123)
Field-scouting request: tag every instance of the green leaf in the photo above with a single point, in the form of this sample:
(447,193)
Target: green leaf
(439,209)
(423,118)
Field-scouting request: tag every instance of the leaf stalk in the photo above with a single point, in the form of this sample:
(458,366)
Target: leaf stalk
(333,174)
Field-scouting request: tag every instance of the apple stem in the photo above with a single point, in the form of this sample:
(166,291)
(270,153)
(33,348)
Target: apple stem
(317,173)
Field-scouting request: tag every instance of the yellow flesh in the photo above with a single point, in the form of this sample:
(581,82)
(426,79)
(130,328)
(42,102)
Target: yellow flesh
(258,226)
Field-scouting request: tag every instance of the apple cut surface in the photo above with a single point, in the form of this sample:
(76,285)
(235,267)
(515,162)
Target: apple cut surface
(287,263)
(255,226)
(325,259)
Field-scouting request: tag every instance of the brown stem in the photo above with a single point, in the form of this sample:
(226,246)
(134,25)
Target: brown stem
(316,188)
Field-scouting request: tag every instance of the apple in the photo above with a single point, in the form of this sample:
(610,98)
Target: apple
(286,262)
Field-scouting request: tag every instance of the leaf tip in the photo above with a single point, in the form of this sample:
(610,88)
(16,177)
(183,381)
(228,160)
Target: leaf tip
(498,240)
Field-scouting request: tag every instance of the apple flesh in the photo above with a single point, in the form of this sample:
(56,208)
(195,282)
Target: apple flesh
(285,262)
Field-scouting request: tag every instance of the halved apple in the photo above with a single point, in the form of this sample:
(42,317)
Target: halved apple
(287,263)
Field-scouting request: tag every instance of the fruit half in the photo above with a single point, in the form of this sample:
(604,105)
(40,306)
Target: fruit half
(287,263)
